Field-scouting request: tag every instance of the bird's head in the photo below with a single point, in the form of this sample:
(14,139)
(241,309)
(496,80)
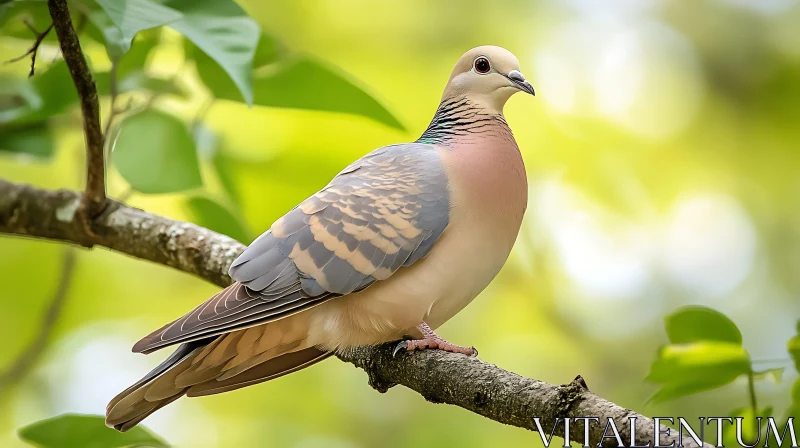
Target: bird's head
(487,75)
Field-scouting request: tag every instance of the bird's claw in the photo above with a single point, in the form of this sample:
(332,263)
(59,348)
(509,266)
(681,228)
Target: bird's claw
(402,345)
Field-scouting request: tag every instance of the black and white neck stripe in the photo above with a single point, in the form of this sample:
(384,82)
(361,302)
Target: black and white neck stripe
(460,117)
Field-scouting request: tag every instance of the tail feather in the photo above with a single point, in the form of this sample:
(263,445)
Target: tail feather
(233,370)
(276,367)
(190,377)
(181,352)
(207,367)
(144,413)
(164,386)
(135,403)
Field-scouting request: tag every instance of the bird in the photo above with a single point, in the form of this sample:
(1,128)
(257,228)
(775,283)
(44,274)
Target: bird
(392,247)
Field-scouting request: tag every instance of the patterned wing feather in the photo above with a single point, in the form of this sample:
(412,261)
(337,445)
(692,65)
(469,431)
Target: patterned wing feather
(380,213)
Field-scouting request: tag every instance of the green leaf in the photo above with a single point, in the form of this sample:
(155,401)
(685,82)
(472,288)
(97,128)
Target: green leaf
(34,140)
(225,33)
(793,346)
(48,93)
(135,59)
(18,97)
(115,42)
(57,91)
(120,20)
(268,51)
(25,104)
(132,16)
(155,153)
(306,83)
(211,214)
(303,83)
(698,323)
(85,431)
(690,361)
(690,368)
(36,99)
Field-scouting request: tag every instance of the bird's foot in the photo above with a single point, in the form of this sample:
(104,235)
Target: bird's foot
(432,340)
(438,343)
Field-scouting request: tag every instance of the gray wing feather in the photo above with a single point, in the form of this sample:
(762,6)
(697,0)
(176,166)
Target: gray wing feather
(382,212)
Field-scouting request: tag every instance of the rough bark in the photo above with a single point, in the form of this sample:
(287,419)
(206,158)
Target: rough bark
(505,397)
(438,376)
(29,211)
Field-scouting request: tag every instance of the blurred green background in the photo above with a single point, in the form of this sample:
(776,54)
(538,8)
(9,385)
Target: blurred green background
(663,157)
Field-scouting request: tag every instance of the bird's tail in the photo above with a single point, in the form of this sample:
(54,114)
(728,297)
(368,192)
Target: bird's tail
(214,365)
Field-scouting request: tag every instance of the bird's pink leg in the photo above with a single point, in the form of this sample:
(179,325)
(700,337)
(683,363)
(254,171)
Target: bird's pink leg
(433,340)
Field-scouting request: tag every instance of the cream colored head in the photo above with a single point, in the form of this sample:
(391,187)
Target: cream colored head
(488,76)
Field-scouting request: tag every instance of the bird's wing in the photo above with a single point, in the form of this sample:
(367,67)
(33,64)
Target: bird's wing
(382,212)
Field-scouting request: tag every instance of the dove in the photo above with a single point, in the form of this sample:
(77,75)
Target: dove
(395,245)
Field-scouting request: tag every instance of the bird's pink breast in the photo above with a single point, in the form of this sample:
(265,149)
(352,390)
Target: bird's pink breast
(488,186)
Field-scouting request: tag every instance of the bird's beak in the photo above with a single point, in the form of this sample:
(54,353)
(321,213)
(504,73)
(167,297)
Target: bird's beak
(518,81)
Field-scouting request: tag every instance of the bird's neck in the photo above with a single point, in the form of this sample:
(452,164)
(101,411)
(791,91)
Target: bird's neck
(459,119)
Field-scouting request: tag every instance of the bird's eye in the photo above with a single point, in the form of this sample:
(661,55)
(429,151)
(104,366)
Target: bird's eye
(482,65)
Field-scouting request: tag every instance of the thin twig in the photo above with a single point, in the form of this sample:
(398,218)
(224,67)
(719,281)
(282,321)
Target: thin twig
(114,91)
(772,360)
(113,82)
(751,389)
(20,367)
(94,198)
(30,26)
(34,49)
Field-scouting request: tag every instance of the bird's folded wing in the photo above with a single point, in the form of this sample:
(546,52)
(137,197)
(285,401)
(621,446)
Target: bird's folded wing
(380,213)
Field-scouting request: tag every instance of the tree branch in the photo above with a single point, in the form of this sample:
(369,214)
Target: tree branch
(505,397)
(438,376)
(34,49)
(29,211)
(94,199)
